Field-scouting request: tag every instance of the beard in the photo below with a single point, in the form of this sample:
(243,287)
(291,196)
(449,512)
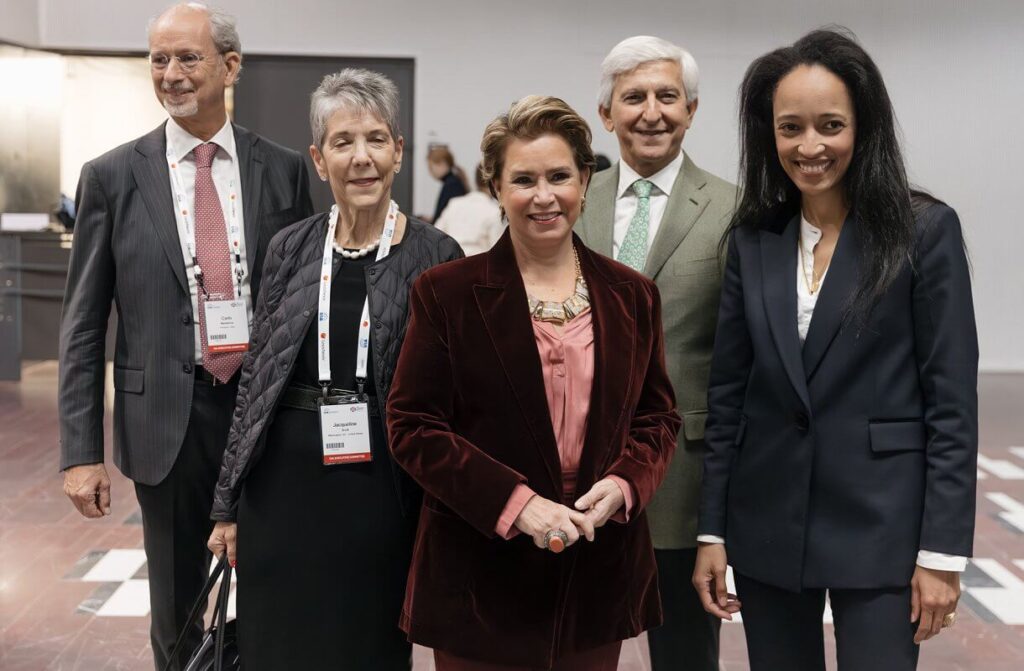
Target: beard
(189,108)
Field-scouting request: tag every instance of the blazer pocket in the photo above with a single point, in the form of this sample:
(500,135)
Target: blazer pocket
(129,380)
(897,436)
(708,266)
(693,424)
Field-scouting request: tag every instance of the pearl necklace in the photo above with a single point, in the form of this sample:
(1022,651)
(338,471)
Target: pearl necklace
(357,253)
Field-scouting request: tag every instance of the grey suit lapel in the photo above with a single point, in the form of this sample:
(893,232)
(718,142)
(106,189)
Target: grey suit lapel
(250,168)
(600,215)
(684,207)
(149,168)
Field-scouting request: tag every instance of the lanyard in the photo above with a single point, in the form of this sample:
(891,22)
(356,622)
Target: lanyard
(324,312)
(234,228)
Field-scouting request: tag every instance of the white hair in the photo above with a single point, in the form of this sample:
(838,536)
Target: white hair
(223,28)
(360,89)
(632,52)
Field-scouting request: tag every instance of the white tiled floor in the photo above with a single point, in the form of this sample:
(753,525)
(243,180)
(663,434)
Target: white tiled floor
(131,599)
(116,566)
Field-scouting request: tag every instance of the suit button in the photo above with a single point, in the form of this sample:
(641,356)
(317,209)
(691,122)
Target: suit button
(802,423)
(377,325)
(186,368)
(373,271)
(186,320)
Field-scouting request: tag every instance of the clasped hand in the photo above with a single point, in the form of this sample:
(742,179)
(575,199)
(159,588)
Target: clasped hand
(593,510)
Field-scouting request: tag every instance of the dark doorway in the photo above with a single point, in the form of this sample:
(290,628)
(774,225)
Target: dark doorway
(272,99)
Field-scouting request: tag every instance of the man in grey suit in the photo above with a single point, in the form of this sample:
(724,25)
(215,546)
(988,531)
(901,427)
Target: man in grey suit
(172,227)
(659,213)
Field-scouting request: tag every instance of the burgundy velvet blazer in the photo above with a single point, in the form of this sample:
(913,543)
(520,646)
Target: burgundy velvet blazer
(469,420)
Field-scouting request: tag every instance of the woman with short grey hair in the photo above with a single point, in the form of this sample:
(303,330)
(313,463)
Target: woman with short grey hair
(310,504)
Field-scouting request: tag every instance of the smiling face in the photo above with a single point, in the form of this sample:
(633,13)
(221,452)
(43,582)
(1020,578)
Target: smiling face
(541,190)
(815,129)
(359,159)
(649,115)
(185,33)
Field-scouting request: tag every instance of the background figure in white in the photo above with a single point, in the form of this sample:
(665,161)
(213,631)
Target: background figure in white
(474,220)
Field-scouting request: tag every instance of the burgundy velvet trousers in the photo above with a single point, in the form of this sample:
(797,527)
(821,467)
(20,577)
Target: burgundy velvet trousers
(605,658)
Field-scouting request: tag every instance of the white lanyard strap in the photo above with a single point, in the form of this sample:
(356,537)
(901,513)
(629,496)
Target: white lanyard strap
(324,311)
(234,227)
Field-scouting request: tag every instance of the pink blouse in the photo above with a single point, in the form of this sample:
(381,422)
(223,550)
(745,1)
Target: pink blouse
(567,364)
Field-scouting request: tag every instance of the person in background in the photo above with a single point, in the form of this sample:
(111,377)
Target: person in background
(842,431)
(474,220)
(531,402)
(442,167)
(173,227)
(661,214)
(322,525)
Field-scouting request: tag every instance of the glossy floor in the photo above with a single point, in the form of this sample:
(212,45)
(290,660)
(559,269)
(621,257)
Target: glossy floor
(73,593)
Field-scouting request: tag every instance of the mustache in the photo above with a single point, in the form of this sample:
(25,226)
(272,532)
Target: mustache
(176,88)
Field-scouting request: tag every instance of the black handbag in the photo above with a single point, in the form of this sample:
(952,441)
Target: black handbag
(219,648)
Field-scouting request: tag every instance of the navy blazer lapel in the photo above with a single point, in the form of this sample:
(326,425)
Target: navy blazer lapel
(832,306)
(149,168)
(778,275)
(613,311)
(502,304)
(250,168)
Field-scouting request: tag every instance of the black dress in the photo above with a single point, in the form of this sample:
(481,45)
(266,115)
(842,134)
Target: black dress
(323,551)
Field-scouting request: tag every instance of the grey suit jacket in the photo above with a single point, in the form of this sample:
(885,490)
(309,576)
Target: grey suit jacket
(126,251)
(684,261)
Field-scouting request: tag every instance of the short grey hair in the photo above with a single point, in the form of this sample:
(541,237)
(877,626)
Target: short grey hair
(223,27)
(632,52)
(358,89)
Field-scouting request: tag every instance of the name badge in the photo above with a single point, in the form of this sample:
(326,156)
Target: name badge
(345,431)
(227,325)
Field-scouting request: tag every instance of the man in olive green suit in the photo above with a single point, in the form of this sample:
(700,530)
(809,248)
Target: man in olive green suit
(659,213)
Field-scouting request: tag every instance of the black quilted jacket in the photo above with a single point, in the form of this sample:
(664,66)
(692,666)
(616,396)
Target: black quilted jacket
(286,308)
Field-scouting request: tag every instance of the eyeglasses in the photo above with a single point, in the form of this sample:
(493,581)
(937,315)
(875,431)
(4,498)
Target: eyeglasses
(188,62)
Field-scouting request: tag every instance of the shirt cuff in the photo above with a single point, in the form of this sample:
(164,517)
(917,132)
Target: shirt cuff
(708,538)
(623,514)
(938,561)
(521,495)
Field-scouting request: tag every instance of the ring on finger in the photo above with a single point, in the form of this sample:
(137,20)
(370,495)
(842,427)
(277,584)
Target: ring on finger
(556,540)
(949,620)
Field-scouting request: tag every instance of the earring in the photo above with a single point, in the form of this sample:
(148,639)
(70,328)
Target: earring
(501,213)
(323,178)
(398,170)
(583,203)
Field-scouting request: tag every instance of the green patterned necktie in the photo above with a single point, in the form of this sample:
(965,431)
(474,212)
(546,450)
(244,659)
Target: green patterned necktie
(633,251)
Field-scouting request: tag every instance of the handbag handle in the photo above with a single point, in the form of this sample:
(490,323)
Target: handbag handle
(221,615)
(222,564)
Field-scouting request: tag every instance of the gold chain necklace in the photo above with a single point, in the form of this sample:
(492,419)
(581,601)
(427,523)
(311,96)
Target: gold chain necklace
(813,283)
(560,312)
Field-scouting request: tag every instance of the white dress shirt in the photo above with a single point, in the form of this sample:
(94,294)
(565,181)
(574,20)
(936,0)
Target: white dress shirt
(810,236)
(626,201)
(226,179)
(473,220)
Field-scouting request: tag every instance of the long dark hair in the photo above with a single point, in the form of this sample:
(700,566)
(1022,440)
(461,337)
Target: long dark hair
(875,184)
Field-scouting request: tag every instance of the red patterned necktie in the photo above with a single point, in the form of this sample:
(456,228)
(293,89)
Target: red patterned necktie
(213,257)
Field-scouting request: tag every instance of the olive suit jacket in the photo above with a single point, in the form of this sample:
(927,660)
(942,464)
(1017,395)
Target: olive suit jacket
(685,262)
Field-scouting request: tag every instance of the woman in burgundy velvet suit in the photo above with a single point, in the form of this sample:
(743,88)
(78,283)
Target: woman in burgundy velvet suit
(532,404)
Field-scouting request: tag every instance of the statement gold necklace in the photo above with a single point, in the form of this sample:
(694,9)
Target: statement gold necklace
(561,312)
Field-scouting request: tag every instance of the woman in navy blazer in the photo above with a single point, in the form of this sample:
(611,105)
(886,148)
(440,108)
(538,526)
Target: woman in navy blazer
(842,426)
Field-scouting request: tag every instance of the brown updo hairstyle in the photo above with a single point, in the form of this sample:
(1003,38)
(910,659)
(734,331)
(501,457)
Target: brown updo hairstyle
(527,119)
